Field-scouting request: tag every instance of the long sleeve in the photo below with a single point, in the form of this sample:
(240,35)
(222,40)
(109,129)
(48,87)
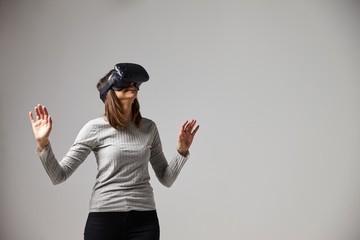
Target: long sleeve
(165,172)
(81,148)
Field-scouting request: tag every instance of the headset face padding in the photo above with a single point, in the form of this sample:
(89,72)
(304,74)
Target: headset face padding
(124,74)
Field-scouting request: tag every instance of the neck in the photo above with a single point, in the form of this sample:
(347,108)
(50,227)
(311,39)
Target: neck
(127,109)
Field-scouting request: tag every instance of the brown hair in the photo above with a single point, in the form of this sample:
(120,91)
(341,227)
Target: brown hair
(113,108)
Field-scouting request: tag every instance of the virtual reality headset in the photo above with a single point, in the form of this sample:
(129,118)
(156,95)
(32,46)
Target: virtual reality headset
(124,74)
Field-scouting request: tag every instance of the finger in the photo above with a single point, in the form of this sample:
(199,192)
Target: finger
(45,111)
(191,125)
(45,114)
(196,129)
(37,114)
(50,122)
(41,112)
(188,124)
(31,117)
(183,126)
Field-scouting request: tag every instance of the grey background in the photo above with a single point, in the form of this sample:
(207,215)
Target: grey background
(274,85)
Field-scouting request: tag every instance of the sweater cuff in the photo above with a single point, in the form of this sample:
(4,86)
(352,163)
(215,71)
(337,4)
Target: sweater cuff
(187,155)
(182,159)
(44,153)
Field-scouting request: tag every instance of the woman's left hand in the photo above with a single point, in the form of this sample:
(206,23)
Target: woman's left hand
(186,136)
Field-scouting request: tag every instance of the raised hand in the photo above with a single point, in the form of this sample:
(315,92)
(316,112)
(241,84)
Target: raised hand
(42,126)
(186,136)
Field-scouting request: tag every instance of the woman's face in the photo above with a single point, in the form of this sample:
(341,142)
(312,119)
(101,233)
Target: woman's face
(129,93)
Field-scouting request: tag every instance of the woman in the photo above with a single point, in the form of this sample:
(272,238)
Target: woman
(122,203)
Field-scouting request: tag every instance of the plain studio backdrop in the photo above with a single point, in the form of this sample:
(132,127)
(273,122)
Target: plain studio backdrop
(275,86)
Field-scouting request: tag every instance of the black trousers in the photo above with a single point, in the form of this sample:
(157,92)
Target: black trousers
(133,225)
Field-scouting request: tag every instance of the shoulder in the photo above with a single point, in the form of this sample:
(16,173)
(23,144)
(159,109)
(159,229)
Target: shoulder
(97,121)
(149,125)
(147,121)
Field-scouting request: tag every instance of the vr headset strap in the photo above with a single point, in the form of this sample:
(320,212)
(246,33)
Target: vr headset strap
(105,88)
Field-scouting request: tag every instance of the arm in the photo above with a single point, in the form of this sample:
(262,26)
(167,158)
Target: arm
(81,148)
(167,173)
(60,171)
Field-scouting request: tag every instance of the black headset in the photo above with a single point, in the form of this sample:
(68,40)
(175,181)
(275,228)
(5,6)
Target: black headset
(123,76)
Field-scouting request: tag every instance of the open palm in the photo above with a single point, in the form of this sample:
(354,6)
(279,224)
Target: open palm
(186,136)
(43,124)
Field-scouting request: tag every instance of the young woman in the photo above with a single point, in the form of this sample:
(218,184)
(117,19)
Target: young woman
(122,203)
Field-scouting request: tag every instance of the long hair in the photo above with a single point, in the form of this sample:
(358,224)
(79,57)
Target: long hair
(114,109)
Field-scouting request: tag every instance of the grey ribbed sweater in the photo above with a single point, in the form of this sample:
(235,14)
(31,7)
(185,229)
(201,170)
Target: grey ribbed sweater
(122,156)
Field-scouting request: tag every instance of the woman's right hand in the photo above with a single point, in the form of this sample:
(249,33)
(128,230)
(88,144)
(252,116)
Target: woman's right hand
(42,126)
